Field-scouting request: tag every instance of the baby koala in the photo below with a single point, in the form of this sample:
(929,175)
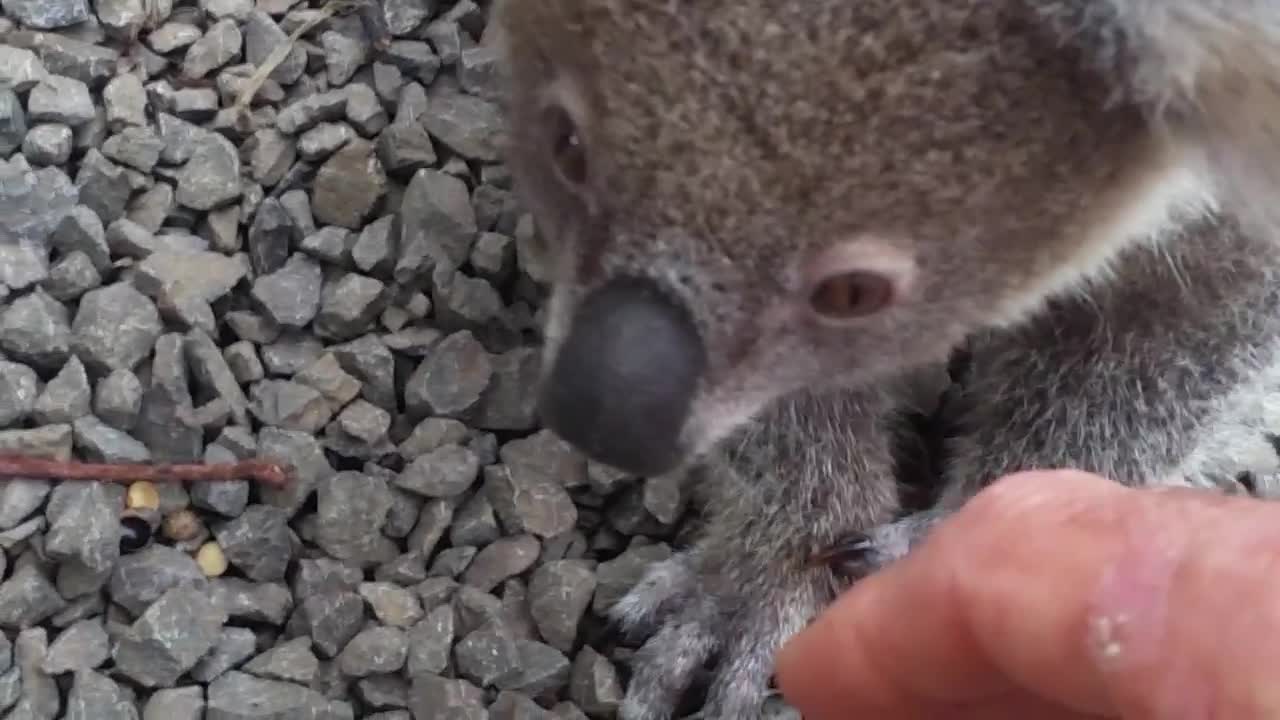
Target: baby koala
(769,218)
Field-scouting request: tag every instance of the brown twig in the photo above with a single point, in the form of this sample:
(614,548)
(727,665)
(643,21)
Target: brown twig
(267,473)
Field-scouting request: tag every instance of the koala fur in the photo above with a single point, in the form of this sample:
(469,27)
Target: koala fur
(1080,191)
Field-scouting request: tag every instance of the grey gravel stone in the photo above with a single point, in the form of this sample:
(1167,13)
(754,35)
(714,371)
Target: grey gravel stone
(373,651)
(438,224)
(99,442)
(456,699)
(289,405)
(349,185)
(451,381)
(18,391)
(236,645)
(82,646)
(39,697)
(445,472)
(135,147)
(20,69)
(257,542)
(349,306)
(219,46)
(27,598)
(95,696)
(500,560)
(169,638)
(19,498)
(182,703)
(290,661)
(594,684)
(48,144)
(118,399)
(13,119)
(143,577)
(488,656)
(252,602)
(114,328)
(211,177)
(559,595)
(331,619)
(240,696)
(71,277)
(468,125)
(290,296)
(352,509)
(60,99)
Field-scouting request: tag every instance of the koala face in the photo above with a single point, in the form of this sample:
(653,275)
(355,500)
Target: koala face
(748,198)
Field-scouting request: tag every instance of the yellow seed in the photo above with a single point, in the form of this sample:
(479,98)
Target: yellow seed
(181,525)
(143,496)
(211,559)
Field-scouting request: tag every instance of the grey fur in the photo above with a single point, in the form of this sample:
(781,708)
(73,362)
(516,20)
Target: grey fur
(1003,151)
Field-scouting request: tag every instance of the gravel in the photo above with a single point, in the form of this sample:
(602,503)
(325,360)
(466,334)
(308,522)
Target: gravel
(338,276)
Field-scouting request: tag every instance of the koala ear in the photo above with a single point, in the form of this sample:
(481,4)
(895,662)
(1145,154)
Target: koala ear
(857,278)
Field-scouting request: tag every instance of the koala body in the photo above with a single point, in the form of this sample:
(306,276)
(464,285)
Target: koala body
(769,216)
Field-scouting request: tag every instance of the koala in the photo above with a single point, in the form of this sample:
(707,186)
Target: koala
(769,219)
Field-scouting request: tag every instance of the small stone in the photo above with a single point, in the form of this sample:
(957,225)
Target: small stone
(71,277)
(352,509)
(135,147)
(373,651)
(488,656)
(236,695)
(323,140)
(60,99)
(27,598)
(19,498)
(122,18)
(48,144)
(559,595)
(271,154)
(114,328)
(95,696)
(374,251)
(502,559)
(349,306)
(404,16)
(34,329)
(251,602)
(258,542)
(438,223)
(452,380)
(445,472)
(173,36)
(262,37)
(393,606)
(66,397)
(331,619)
(20,69)
(364,110)
(529,502)
(289,405)
(365,422)
(125,101)
(211,178)
(82,646)
(290,296)
(343,55)
(118,399)
(47,14)
(292,661)
(219,46)
(141,578)
(349,185)
(234,647)
(468,125)
(99,442)
(169,638)
(594,684)
(18,390)
(183,703)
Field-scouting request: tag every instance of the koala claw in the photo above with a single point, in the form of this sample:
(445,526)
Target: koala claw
(858,554)
(700,613)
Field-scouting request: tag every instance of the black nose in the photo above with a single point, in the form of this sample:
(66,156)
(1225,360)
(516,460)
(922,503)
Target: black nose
(622,383)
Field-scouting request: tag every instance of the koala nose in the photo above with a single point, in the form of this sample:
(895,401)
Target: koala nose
(622,383)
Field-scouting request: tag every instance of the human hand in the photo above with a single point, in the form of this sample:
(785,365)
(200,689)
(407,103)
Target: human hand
(1059,595)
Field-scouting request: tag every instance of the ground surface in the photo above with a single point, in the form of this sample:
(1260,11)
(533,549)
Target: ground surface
(334,274)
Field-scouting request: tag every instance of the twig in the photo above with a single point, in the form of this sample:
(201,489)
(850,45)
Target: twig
(267,473)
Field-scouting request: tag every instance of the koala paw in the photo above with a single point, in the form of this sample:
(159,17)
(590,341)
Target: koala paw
(694,612)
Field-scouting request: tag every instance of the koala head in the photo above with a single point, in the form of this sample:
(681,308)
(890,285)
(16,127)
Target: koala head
(749,198)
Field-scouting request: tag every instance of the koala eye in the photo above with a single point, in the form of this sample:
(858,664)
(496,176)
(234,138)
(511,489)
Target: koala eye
(567,152)
(851,295)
